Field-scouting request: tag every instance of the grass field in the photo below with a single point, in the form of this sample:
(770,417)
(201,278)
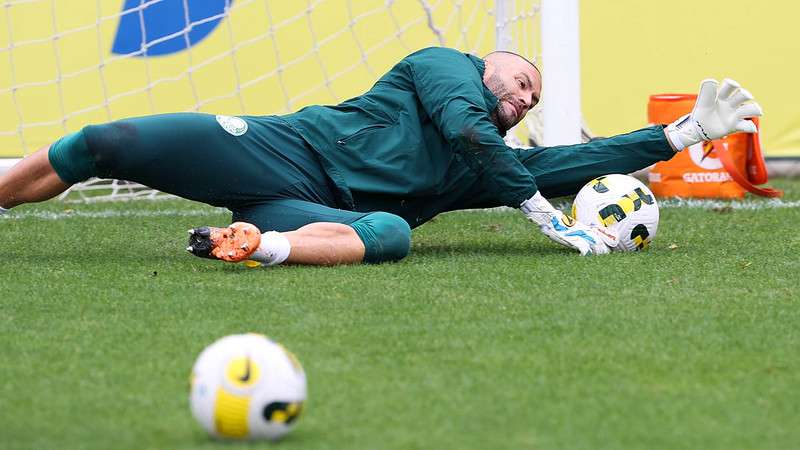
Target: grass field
(488,336)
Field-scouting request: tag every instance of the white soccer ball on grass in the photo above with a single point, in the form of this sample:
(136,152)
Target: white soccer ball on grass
(621,203)
(246,386)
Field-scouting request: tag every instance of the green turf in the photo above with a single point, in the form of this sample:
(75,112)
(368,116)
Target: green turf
(488,336)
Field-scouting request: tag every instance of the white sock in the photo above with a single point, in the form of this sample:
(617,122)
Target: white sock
(274,249)
(3,210)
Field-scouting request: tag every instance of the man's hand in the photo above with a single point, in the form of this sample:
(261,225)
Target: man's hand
(565,230)
(717,113)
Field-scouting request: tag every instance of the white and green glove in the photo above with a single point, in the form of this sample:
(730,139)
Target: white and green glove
(717,113)
(565,230)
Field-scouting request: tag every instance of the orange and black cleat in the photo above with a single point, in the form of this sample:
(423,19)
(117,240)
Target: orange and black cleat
(233,244)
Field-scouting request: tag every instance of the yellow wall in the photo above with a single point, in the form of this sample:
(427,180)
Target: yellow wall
(634,48)
(244,81)
(630,49)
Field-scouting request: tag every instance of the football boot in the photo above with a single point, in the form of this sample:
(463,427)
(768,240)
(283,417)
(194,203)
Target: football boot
(233,243)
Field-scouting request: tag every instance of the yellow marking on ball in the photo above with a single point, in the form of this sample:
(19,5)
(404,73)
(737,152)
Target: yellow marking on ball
(242,372)
(230,414)
(641,243)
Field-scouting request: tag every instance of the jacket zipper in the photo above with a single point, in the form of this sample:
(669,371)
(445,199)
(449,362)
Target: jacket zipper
(358,133)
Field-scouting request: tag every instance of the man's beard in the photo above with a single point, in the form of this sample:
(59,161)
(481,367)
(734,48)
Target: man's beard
(502,125)
(498,116)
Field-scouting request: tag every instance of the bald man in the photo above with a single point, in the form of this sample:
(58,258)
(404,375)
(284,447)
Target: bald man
(346,183)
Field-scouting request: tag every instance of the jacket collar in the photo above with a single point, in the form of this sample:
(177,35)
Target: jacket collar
(488,97)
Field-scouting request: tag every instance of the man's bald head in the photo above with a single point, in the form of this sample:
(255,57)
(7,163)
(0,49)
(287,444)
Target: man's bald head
(517,84)
(500,56)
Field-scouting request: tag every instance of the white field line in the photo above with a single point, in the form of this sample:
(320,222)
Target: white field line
(746,205)
(772,203)
(107,214)
(672,203)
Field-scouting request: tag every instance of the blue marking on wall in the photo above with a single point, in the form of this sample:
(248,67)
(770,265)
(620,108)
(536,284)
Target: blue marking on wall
(163,19)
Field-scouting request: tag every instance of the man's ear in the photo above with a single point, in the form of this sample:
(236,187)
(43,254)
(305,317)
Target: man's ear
(488,70)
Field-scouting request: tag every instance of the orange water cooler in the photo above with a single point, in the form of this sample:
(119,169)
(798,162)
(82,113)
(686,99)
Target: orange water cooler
(723,168)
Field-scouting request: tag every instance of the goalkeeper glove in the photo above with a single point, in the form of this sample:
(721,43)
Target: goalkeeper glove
(717,113)
(565,230)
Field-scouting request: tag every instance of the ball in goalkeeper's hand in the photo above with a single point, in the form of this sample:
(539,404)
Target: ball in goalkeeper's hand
(622,204)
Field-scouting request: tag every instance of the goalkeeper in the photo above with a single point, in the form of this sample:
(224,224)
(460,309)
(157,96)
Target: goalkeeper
(346,183)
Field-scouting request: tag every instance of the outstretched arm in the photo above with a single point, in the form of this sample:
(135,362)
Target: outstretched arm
(563,170)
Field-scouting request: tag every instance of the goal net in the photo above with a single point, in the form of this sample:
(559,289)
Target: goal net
(70,63)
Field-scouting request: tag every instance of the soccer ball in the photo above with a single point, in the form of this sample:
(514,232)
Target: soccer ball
(246,386)
(622,204)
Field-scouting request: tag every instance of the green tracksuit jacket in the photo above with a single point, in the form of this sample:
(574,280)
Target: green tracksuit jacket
(427,118)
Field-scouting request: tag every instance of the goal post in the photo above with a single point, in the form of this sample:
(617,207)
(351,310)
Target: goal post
(65,64)
(561,54)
